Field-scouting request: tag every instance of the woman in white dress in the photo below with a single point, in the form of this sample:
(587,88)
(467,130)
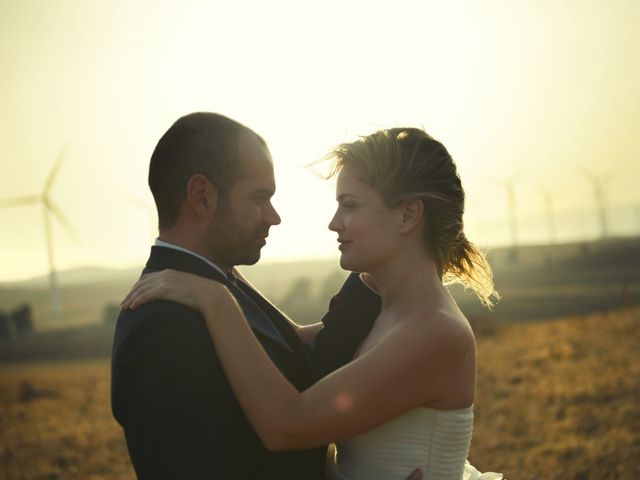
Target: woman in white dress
(405,401)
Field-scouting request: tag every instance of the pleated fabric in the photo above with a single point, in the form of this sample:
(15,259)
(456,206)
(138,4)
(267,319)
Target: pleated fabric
(436,441)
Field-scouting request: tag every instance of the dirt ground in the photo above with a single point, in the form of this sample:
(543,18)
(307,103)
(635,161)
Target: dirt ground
(556,400)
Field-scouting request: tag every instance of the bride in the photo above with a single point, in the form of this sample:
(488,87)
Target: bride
(405,401)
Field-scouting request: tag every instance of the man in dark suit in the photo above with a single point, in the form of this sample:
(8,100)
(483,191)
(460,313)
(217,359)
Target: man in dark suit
(212,181)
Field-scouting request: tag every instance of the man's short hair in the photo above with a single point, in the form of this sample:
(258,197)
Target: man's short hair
(199,143)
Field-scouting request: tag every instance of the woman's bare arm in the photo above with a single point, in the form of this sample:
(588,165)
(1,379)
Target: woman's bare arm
(380,385)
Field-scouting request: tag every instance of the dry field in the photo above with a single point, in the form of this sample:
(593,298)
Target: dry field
(556,400)
(560,399)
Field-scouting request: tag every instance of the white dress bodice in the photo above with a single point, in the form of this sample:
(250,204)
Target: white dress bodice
(436,441)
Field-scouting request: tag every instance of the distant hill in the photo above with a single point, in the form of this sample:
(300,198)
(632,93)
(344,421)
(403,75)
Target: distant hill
(536,282)
(77,276)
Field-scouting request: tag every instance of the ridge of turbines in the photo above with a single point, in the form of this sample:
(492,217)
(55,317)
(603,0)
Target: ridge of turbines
(52,211)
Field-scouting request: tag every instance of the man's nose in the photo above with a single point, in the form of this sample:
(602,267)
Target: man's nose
(272,216)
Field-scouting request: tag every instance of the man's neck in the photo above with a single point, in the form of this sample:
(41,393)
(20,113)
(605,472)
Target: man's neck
(194,248)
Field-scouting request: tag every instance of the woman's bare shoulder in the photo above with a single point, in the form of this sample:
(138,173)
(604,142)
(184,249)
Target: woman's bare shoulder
(445,351)
(444,333)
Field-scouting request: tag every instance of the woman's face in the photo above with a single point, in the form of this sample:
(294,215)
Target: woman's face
(367,228)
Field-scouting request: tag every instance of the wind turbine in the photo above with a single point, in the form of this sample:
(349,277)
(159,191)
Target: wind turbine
(598,183)
(548,210)
(509,186)
(49,209)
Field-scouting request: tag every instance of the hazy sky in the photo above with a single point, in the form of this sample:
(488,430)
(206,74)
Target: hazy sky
(534,91)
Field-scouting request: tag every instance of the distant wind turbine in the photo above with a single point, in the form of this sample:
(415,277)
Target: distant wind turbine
(49,209)
(598,182)
(509,186)
(548,210)
(513,218)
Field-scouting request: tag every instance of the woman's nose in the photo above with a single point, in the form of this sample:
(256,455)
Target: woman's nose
(335,224)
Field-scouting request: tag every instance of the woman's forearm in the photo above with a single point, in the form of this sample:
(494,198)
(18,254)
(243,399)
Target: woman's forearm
(271,403)
(379,385)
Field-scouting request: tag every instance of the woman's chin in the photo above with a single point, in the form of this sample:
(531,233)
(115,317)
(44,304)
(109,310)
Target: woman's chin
(348,264)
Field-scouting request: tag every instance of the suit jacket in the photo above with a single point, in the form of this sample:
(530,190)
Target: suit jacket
(170,394)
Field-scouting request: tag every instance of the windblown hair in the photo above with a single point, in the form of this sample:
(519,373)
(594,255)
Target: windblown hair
(199,143)
(403,163)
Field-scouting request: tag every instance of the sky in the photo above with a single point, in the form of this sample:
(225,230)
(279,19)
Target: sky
(536,94)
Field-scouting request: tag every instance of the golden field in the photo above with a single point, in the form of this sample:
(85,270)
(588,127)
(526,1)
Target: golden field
(556,400)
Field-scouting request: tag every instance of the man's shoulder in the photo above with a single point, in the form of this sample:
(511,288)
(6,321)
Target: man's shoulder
(157,315)
(156,325)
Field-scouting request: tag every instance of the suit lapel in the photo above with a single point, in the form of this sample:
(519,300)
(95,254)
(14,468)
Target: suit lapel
(281,323)
(162,258)
(256,317)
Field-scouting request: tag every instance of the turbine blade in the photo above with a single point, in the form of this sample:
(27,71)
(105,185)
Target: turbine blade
(63,220)
(54,170)
(17,201)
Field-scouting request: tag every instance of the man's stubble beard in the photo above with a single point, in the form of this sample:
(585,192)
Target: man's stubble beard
(230,243)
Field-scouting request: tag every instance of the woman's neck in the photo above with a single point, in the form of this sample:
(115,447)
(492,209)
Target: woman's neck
(408,280)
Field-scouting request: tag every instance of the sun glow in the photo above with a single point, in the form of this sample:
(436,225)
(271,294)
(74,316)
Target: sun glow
(523,93)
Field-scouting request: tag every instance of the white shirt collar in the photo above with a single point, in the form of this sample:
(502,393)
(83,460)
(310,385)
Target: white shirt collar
(160,243)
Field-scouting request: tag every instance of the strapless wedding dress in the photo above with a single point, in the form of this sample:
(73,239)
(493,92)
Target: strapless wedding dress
(436,441)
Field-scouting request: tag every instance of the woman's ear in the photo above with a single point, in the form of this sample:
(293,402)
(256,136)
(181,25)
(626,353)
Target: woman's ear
(412,211)
(202,196)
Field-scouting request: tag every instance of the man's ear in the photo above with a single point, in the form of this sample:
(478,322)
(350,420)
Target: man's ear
(201,196)
(412,211)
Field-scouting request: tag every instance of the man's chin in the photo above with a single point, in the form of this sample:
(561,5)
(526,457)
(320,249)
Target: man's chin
(249,259)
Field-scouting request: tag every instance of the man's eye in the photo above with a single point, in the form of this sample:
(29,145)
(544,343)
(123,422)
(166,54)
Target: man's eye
(347,205)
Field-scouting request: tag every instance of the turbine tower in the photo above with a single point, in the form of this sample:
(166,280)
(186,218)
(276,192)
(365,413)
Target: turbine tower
(548,211)
(598,182)
(49,209)
(513,219)
(509,186)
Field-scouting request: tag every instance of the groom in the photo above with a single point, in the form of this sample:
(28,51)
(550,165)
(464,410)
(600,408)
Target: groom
(212,181)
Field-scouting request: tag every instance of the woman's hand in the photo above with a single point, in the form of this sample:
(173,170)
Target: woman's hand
(184,288)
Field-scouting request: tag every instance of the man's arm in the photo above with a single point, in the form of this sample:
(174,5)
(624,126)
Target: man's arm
(352,312)
(352,294)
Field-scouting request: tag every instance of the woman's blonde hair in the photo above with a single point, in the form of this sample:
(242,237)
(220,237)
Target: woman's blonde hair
(403,163)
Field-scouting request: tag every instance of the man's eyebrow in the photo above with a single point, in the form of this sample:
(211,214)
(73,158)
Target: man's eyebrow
(266,192)
(344,196)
